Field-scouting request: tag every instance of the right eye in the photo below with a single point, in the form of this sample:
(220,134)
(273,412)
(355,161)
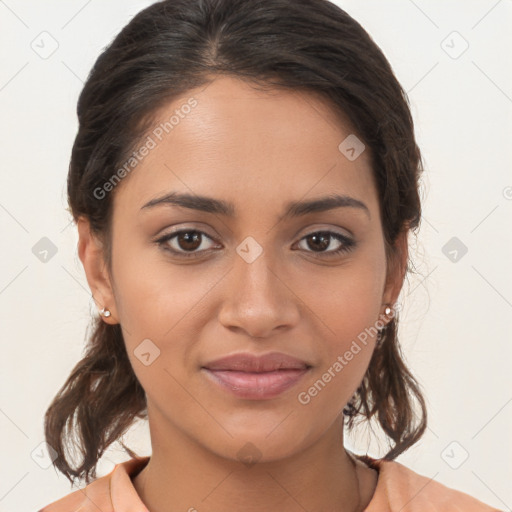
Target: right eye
(187,241)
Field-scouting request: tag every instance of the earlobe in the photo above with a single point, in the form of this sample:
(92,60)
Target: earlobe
(91,254)
(397,268)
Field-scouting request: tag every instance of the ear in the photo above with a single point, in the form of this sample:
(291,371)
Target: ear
(90,252)
(396,269)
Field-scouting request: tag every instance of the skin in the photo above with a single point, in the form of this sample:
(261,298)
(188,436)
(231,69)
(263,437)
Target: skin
(258,151)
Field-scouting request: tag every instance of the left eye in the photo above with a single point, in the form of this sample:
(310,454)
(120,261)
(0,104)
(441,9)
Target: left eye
(189,241)
(322,240)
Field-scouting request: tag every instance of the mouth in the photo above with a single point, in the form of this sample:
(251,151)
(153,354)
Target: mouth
(256,377)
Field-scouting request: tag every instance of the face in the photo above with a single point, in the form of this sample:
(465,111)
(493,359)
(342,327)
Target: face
(190,286)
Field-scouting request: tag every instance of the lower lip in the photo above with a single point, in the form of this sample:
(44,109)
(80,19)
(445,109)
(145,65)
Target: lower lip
(256,386)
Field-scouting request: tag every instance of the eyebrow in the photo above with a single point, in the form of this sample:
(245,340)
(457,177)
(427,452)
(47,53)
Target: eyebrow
(292,209)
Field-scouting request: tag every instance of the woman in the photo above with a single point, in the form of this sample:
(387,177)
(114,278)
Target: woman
(244,181)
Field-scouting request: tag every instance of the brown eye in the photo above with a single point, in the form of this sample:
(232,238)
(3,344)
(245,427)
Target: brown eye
(319,241)
(185,242)
(189,241)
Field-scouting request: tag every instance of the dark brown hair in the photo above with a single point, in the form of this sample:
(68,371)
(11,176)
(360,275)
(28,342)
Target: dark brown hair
(166,50)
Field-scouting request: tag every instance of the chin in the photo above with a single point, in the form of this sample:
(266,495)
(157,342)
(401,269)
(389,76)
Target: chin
(254,445)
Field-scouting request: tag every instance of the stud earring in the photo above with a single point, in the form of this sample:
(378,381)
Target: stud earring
(105,312)
(378,344)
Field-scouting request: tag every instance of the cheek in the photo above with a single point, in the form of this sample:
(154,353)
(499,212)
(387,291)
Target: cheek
(345,346)
(346,300)
(158,306)
(155,296)
(332,385)
(346,304)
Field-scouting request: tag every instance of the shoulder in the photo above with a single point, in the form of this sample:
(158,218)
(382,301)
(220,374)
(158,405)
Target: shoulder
(399,488)
(96,496)
(111,493)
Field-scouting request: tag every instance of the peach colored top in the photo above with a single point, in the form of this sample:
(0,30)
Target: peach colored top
(398,489)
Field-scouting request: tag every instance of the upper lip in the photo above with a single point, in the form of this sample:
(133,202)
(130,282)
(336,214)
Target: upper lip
(246,362)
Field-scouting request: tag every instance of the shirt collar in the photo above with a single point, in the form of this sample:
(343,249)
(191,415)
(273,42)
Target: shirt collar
(122,492)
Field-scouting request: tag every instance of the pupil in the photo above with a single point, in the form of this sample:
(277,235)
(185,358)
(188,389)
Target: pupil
(189,238)
(325,240)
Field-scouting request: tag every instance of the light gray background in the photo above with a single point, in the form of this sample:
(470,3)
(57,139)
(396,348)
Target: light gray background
(455,329)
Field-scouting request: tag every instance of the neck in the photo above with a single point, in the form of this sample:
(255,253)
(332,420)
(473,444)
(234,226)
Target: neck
(182,475)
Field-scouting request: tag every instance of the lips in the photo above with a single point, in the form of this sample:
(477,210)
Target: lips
(253,363)
(256,377)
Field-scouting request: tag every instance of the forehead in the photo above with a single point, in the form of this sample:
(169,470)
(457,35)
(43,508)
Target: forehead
(246,146)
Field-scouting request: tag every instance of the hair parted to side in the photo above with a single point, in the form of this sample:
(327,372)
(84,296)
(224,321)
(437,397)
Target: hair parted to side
(166,50)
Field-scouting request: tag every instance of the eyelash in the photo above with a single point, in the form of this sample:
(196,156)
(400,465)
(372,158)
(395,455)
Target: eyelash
(347,245)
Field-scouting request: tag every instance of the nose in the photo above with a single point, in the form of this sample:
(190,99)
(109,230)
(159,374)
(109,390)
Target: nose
(259,298)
